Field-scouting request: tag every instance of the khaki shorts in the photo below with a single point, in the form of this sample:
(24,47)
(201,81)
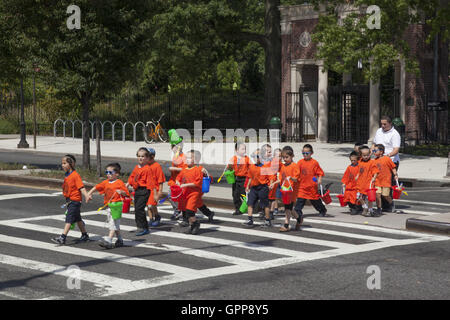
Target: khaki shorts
(385,191)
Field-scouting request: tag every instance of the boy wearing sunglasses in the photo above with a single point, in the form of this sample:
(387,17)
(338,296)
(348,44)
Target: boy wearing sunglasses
(368,172)
(113,190)
(310,176)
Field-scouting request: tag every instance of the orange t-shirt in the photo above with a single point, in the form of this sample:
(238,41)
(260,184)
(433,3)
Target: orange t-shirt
(366,172)
(349,178)
(177,162)
(156,176)
(292,171)
(350,184)
(192,195)
(385,166)
(109,190)
(308,170)
(191,175)
(240,165)
(72,185)
(139,177)
(258,175)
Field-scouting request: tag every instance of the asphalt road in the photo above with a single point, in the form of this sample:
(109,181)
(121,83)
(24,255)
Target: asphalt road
(225,261)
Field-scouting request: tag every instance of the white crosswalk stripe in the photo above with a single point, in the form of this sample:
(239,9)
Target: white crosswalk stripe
(261,249)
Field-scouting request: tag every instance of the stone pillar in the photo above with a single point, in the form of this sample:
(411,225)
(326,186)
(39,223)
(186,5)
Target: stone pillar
(374,109)
(322,134)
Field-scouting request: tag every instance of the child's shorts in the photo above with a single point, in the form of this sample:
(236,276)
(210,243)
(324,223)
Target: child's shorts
(260,193)
(385,191)
(73,212)
(113,225)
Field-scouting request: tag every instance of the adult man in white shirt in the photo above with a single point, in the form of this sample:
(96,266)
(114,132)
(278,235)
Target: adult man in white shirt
(390,138)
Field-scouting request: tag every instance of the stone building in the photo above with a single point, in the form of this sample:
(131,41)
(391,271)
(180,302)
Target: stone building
(315,108)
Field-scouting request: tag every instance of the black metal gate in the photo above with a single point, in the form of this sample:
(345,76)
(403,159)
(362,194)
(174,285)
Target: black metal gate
(348,113)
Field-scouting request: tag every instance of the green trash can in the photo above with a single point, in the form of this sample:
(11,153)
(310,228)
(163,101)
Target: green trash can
(275,126)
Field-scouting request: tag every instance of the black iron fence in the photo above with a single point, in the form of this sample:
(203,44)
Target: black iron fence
(348,113)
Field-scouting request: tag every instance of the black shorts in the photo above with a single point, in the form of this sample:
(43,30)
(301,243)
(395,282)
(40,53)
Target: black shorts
(260,193)
(73,212)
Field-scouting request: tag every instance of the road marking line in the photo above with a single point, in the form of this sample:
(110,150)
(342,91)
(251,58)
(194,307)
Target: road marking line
(107,255)
(271,235)
(108,285)
(173,248)
(330,232)
(15,196)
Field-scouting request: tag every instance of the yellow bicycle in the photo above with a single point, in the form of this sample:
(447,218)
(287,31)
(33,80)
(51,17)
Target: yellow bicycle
(153,131)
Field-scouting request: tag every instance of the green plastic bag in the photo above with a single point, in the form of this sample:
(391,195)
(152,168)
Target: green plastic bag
(244,207)
(116,209)
(229,175)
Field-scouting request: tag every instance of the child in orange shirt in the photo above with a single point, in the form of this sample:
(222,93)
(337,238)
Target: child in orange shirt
(349,183)
(113,190)
(275,165)
(258,189)
(309,170)
(191,179)
(73,187)
(289,175)
(383,182)
(156,182)
(368,172)
(139,180)
(178,163)
(240,163)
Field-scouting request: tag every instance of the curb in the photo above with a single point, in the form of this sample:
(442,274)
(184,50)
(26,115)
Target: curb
(40,182)
(428,226)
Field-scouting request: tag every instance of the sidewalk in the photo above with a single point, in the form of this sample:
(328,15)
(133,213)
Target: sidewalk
(333,158)
(221,197)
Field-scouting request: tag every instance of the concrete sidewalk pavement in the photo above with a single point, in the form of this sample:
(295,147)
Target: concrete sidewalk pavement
(333,158)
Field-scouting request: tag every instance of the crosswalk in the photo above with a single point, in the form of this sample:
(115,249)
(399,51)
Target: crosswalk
(169,256)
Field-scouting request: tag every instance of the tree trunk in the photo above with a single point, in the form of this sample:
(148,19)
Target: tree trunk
(86,142)
(272,93)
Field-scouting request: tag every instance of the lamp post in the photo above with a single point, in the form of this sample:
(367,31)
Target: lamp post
(23,142)
(36,69)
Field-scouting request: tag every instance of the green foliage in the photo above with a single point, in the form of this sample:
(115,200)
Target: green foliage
(228,74)
(8,126)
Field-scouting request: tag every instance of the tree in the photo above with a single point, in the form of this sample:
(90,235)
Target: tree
(344,42)
(83,63)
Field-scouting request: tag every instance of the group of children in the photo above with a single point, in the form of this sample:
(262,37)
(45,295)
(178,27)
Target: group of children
(364,174)
(260,177)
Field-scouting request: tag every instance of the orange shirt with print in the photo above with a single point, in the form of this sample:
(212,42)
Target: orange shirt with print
(156,176)
(177,162)
(259,175)
(290,170)
(308,170)
(349,179)
(240,165)
(275,167)
(367,169)
(192,194)
(72,185)
(108,189)
(139,177)
(385,166)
